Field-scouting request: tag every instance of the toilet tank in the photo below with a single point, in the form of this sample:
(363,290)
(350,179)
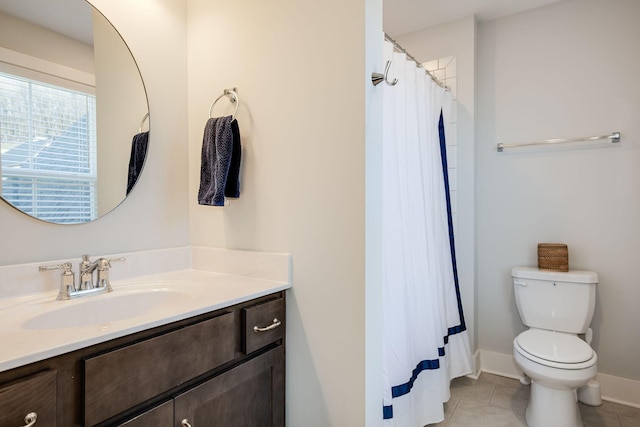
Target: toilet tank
(555,301)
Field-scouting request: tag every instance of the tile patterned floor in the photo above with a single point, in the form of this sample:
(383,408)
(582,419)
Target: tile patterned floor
(494,401)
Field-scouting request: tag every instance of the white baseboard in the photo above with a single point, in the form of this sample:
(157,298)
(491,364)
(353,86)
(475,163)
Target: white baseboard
(619,390)
(613,389)
(499,364)
(476,366)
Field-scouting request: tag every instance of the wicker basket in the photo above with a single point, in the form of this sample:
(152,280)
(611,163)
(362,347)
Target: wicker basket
(553,256)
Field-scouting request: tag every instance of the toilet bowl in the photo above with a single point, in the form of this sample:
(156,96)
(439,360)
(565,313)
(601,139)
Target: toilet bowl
(558,364)
(556,307)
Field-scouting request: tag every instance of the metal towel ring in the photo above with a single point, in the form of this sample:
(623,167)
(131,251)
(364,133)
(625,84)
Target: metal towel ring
(233,97)
(146,116)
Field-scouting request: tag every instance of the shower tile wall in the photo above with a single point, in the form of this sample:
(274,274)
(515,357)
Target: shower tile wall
(444,69)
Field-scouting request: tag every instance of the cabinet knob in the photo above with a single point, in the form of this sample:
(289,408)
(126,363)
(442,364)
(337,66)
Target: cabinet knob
(185,423)
(30,419)
(274,325)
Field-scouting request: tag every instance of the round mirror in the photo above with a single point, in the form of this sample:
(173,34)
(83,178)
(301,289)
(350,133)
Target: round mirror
(73,111)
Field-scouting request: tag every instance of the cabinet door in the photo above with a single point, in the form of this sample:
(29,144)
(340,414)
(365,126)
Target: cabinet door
(160,416)
(35,394)
(249,395)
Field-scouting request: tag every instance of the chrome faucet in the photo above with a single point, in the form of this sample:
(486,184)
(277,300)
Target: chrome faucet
(86,285)
(86,273)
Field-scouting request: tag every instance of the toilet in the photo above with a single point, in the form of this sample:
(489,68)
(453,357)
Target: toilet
(556,307)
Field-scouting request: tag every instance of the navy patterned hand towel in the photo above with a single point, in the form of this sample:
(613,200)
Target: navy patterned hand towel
(136,160)
(220,163)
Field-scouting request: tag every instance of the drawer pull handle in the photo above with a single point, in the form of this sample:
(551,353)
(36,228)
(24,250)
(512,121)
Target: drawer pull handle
(185,423)
(30,419)
(274,325)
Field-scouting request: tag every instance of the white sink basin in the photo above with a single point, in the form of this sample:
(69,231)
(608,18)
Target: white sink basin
(112,307)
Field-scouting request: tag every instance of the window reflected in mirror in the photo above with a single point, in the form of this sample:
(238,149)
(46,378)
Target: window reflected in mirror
(48,150)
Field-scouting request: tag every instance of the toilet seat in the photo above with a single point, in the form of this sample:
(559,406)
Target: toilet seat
(555,349)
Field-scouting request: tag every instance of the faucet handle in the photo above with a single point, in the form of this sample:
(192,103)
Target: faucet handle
(65,267)
(104,264)
(67,283)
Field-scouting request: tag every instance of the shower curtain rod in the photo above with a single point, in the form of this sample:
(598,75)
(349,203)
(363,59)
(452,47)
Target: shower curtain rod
(397,46)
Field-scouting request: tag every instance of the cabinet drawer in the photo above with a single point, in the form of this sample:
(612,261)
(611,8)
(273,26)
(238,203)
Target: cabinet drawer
(269,317)
(33,394)
(126,377)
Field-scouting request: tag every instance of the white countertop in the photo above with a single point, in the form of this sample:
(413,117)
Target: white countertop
(188,293)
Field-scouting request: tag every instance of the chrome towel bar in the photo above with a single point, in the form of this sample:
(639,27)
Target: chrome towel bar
(613,138)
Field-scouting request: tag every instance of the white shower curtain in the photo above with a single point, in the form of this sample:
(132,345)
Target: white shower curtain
(425,338)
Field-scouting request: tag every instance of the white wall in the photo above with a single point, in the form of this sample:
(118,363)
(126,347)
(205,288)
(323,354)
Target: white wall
(563,70)
(373,217)
(458,39)
(33,40)
(301,78)
(121,104)
(156,213)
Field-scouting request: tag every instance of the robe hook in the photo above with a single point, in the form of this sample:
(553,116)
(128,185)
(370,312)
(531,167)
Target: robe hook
(377,78)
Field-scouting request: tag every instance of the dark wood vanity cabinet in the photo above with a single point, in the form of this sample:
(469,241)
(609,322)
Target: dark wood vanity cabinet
(35,394)
(209,370)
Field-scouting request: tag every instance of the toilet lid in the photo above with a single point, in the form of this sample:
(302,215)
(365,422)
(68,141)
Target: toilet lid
(554,346)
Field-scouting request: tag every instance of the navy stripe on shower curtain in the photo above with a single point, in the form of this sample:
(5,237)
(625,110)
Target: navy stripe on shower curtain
(445,173)
(402,389)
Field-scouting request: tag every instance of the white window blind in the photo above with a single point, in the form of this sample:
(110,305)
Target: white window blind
(48,150)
